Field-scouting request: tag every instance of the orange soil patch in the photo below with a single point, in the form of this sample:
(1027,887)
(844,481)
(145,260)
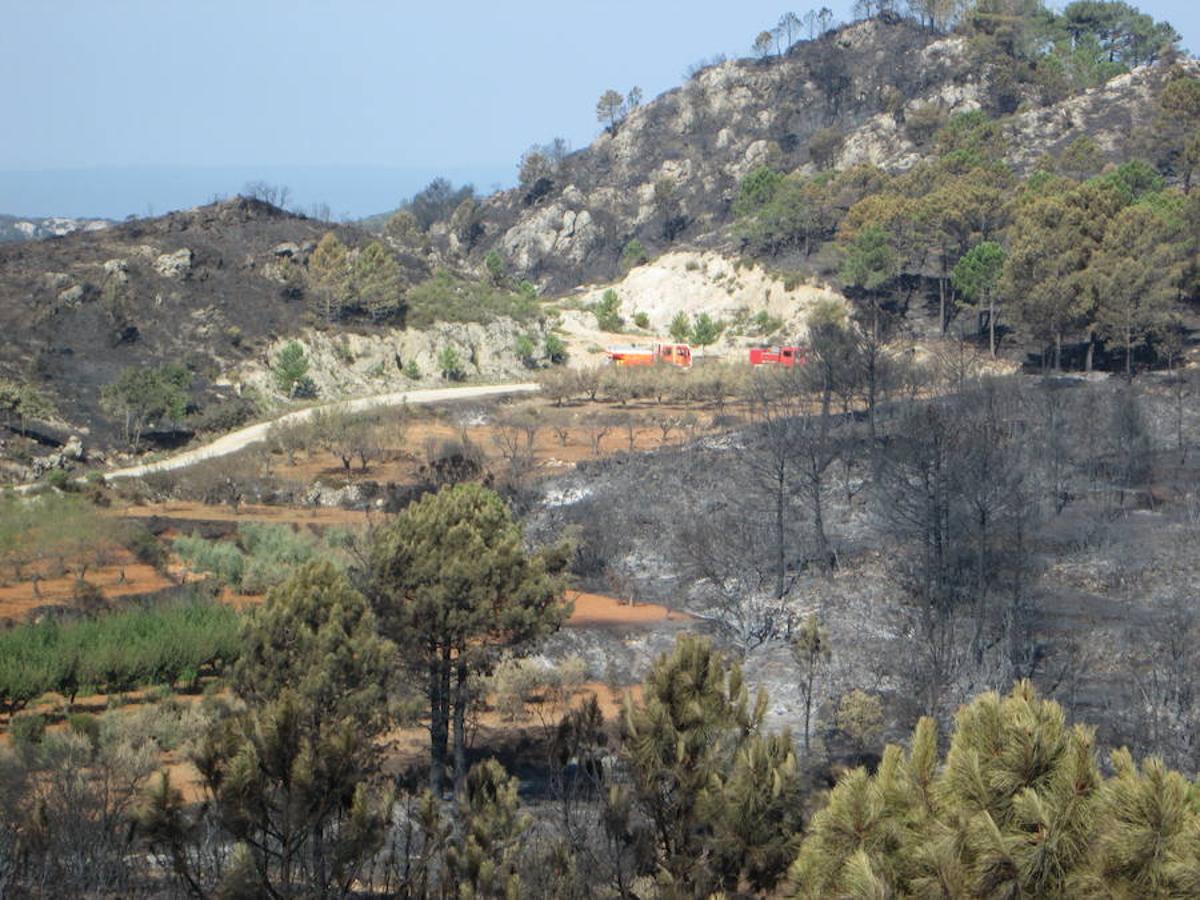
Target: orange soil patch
(592,610)
(114,581)
(549,451)
(291,515)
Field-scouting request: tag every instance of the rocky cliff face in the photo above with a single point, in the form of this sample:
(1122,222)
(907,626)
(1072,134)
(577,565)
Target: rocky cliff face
(670,172)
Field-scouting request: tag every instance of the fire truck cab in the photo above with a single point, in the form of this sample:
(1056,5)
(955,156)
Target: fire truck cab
(657,354)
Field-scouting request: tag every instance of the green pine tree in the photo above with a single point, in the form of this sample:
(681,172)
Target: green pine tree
(454,587)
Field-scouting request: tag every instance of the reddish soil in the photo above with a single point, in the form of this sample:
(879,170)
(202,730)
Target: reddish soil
(596,610)
(250,512)
(122,579)
(401,465)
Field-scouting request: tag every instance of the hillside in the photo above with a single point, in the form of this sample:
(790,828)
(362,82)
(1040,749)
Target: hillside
(669,172)
(876,118)
(209,288)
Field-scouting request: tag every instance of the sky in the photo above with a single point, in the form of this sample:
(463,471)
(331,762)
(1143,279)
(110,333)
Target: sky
(117,107)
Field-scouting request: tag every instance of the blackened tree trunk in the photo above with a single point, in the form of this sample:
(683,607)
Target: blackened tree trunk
(439,724)
(461,699)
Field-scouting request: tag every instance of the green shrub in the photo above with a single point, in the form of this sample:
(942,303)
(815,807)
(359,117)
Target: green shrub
(272,552)
(28,729)
(412,370)
(444,298)
(451,364)
(608,312)
(218,558)
(59,479)
(556,350)
(680,328)
(633,254)
(85,725)
(526,350)
(641,320)
(764,324)
(290,367)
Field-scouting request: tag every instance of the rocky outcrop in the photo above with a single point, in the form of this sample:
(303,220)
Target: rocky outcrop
(174,265)
(735,294)
(13,228)
(1108,114)
(354,364)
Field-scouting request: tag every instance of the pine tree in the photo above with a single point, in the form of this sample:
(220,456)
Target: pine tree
(330,276)
(754,814)
(378,282)
(810,649)
(1149,842)
(1012,812)
(454,587)
(680,740)
(483,861)
(290,774)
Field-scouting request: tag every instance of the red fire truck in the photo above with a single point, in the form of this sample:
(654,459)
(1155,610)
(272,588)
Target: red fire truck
(656,354)
(777,356)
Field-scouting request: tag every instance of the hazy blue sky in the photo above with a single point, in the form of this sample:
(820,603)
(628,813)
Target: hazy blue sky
(190,99)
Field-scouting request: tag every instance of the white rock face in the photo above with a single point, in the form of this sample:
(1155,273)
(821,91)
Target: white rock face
(555,229)
(116,270)
(348,364)
(73,295)
(174,265)
(694,283)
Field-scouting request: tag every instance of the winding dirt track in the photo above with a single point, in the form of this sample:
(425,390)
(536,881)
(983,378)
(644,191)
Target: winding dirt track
(253,434)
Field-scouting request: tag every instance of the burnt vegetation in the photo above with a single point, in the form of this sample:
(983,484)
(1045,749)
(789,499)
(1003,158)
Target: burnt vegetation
(908,619)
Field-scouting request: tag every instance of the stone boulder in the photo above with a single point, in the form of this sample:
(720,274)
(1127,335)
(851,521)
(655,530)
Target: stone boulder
(174,265)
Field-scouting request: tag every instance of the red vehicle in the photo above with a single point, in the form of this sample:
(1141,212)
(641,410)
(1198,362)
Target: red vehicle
(657,354)
(777,356)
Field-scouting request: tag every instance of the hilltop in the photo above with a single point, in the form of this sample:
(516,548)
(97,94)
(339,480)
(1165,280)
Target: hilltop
(669,172)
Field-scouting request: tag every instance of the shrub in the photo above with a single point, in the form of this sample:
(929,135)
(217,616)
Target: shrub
(680,328)
(764,324)
(526,350)
(59,479)
(608,311)
(412,370)
(226,415)
(272,551)
(641,320)
(444,298)
(451,364)
(494,263)
(290,367)
(555,349)
(27,730)
(85,725)
(218,558)
(633,254)
(705,331)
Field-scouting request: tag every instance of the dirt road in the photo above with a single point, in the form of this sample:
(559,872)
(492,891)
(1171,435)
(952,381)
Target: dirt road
(253,434)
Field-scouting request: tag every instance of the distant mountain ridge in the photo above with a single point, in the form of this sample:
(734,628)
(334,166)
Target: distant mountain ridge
(32,228)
